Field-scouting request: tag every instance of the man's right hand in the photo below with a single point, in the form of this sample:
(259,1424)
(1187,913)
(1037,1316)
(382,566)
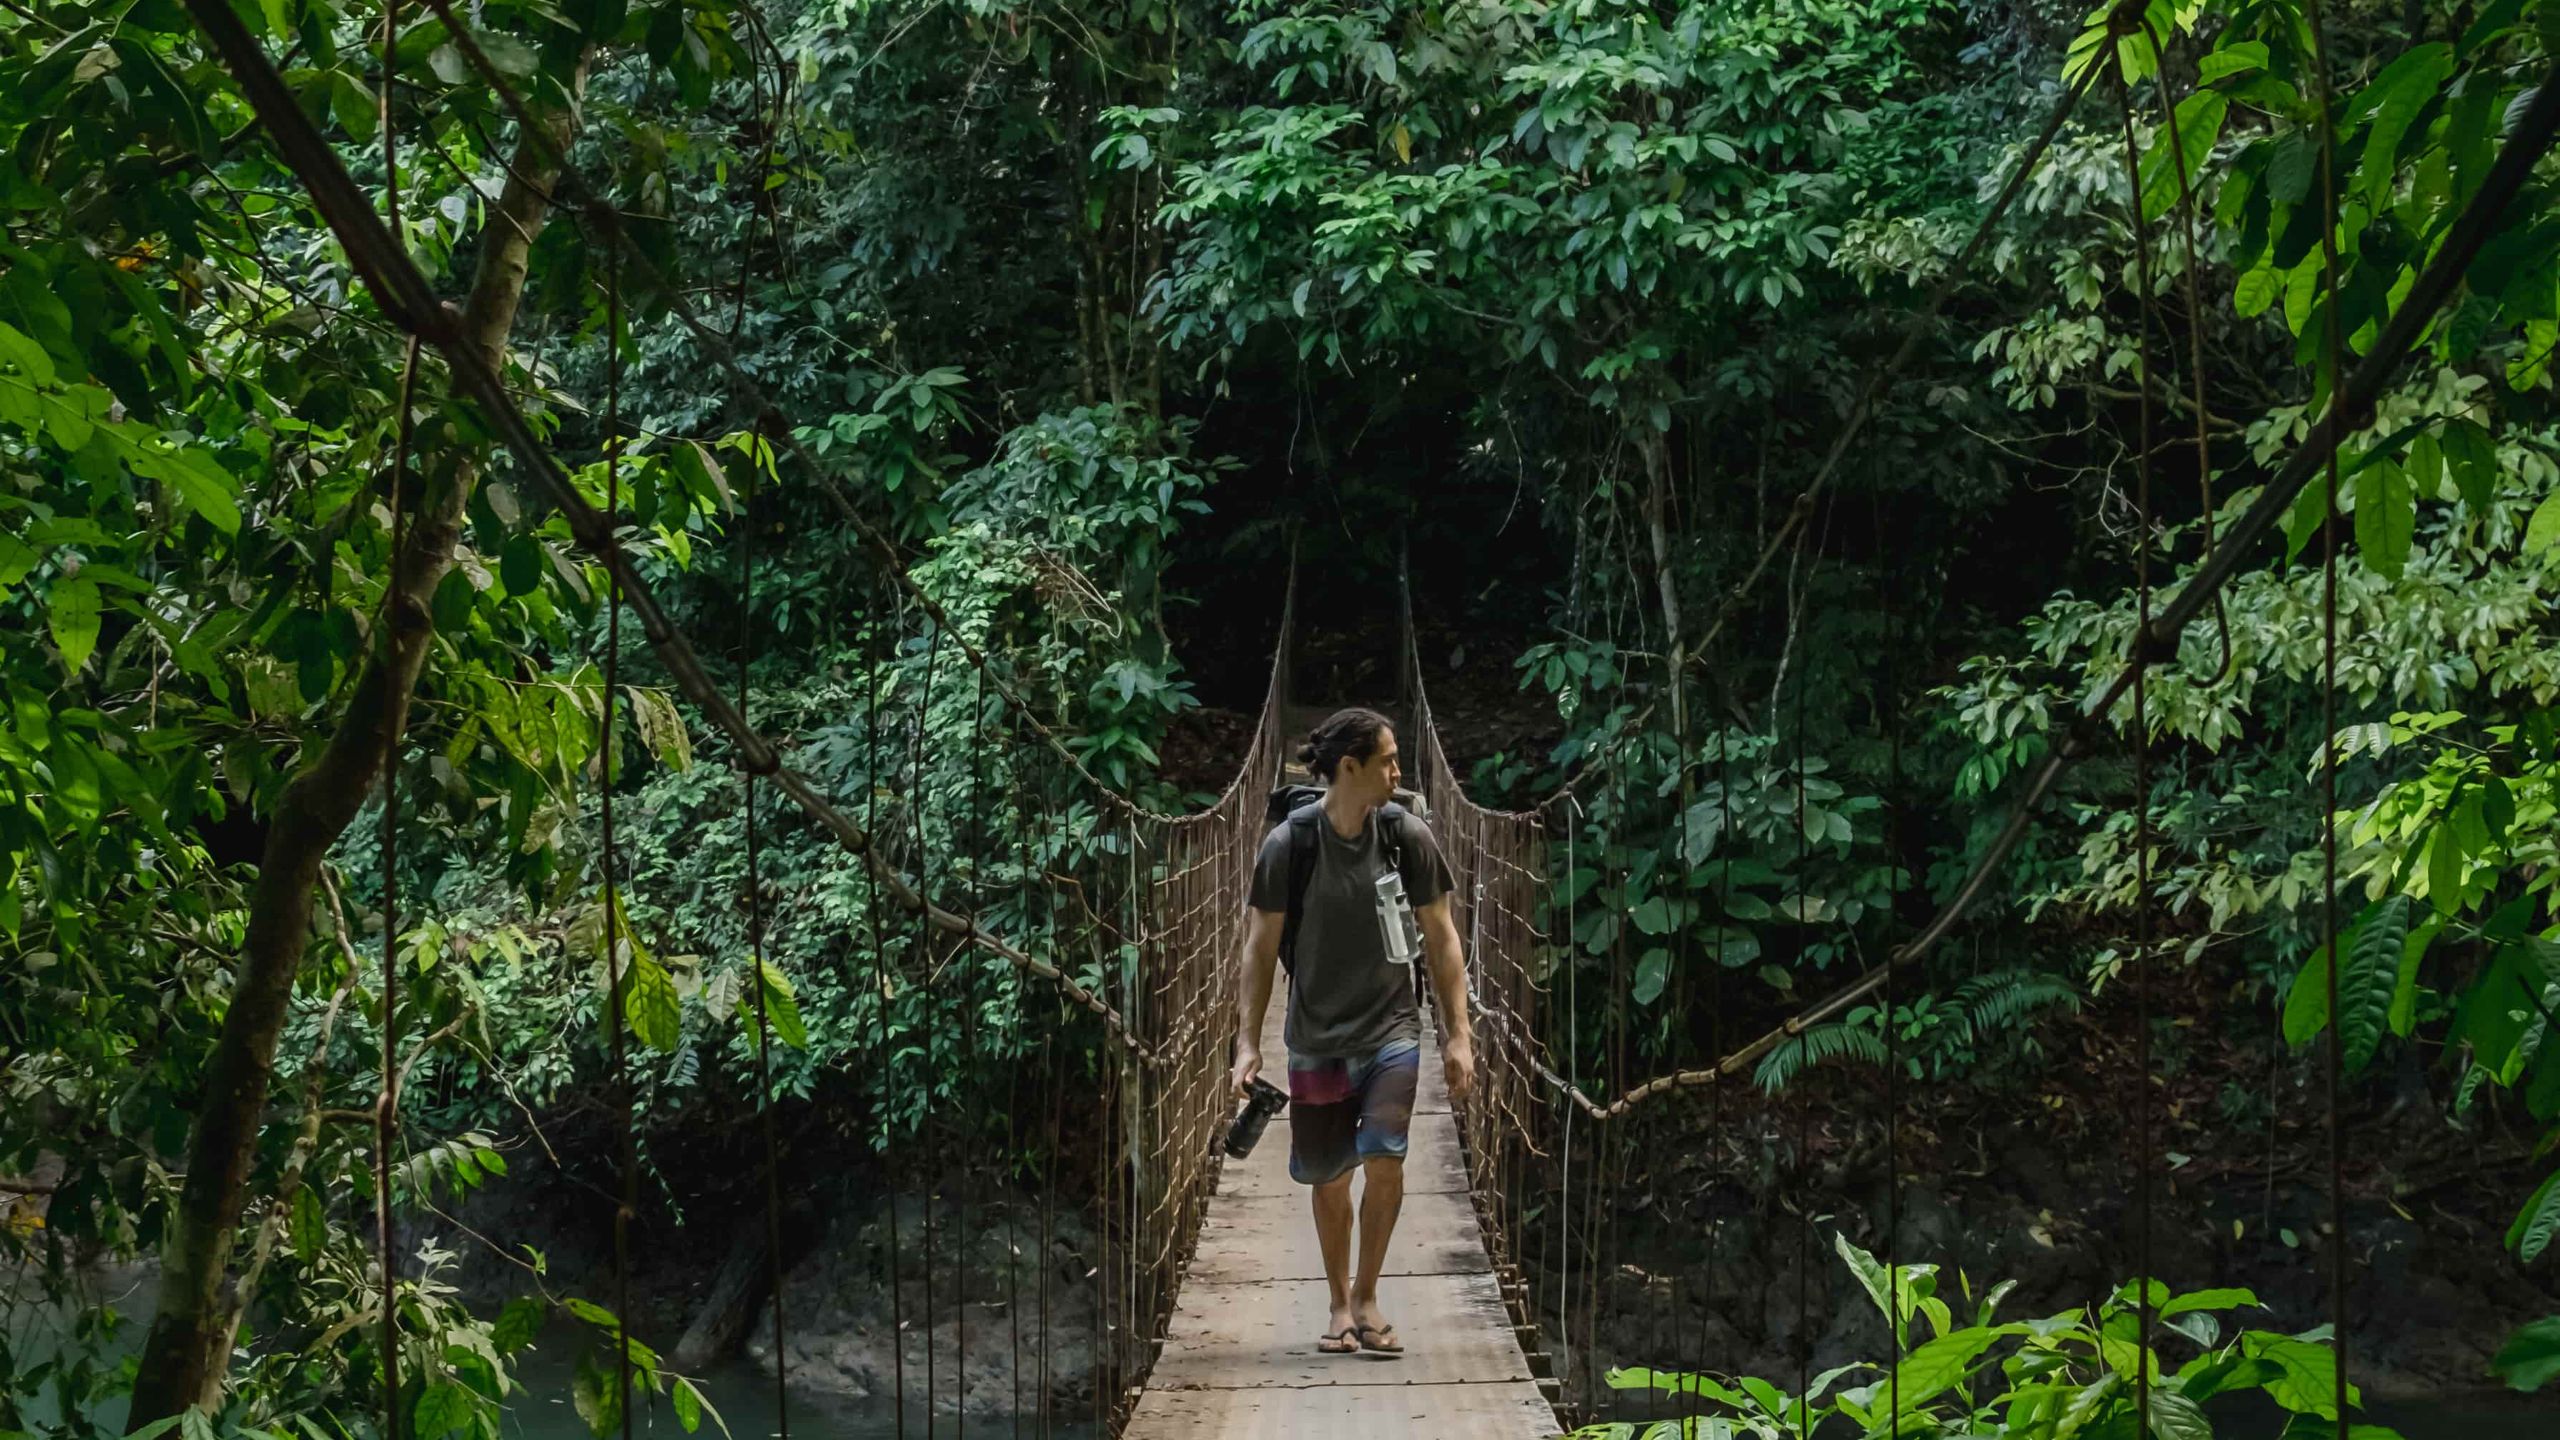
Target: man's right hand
(1248,1067)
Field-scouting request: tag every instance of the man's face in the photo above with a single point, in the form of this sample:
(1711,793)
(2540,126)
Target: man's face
(1374,780)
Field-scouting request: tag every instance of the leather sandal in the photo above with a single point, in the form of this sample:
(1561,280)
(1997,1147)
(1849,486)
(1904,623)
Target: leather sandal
(1339,1342)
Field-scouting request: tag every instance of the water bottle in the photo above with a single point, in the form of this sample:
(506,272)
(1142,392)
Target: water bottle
(1262,1100)
(1396,924)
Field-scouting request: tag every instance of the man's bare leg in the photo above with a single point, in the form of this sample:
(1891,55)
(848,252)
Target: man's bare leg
(1381,1200)
(1333,1238)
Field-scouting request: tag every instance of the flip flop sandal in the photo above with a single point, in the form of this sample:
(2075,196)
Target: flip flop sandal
(1380,1338)
(1339,1342)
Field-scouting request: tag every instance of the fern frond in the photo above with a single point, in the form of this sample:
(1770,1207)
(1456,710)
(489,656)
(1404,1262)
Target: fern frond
(1821,1045)
(2003,998)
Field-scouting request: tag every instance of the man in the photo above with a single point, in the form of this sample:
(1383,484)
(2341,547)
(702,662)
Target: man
(1354,1031)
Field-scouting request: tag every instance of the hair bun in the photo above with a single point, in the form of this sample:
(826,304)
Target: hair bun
(1307,753)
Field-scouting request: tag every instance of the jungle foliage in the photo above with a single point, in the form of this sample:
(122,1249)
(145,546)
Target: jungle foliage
(1031,280)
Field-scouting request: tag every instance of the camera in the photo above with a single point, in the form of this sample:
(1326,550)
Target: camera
(1262,1100)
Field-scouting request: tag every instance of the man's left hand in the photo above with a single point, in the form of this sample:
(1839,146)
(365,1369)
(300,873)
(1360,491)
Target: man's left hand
(1458,1060)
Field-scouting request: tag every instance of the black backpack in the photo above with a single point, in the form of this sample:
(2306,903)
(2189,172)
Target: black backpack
(1301,809)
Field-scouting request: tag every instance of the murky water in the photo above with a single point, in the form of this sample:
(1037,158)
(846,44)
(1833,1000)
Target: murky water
(744,1396)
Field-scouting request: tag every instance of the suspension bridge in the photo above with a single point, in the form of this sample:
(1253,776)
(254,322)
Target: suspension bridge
(1205,1289)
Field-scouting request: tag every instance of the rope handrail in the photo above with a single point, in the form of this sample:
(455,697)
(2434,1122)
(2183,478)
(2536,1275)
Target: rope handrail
(403,294)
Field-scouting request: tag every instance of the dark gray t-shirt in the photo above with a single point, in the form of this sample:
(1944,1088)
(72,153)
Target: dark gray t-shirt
(1349,999)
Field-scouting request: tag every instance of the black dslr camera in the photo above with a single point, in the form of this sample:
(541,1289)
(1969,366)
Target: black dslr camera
(1262,1101)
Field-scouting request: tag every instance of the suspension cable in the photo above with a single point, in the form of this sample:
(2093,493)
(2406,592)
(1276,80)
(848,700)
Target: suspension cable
(880,1040)
(917,791)
(629,1203)
(2188,213)
(756,953)
(386,1111)
(1804,1111)
(1889,708)
(2336,1050)
(2139,1094)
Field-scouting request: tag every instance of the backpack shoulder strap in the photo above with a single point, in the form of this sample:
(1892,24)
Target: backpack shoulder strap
(1301,824)
(1391,832)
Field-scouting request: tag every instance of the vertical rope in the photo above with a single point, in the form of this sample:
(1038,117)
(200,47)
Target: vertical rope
(1029,879)
(1055,833)
(756,953)
(2331,383)
(970,972)
(613,940)
(386,1110)
(1049,1206)
(1612,1139)
(917,797)
(1804,1110)
(880,1039)
(2187,217)
(1563,1226)
(1889,704)
(1715,1024)
(2139,1093)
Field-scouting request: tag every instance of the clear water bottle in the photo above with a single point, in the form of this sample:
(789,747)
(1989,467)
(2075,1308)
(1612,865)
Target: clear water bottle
(1396,924)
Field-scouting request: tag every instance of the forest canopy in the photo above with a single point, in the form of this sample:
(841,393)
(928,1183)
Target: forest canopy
(1790,415)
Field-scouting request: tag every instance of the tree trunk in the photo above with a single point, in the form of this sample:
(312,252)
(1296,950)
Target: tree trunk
(186,1356)
(728,1311)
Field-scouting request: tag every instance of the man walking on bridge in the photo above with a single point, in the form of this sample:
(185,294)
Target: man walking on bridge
(1354,1029)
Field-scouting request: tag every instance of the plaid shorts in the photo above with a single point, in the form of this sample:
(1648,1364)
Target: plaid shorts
(1342,1112)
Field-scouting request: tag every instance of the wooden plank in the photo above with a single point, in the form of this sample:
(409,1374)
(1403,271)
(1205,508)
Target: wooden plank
(1242,1337)
(1246,1239)
(1513,1410)
(1239,1360)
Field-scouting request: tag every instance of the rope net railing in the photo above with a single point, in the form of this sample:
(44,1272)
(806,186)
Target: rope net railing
(1499,861)
(1189,880)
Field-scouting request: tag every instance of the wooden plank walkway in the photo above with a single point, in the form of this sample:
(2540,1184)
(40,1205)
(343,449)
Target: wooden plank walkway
(1240,1361)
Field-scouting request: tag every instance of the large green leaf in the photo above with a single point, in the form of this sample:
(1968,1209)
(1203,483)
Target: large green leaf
(2225,1299)
(781,1007)
(209,489)
(2199,124)
(2471,458)
(2531,1357)
(2389,104)
(2386,517)
(2368,978)
(1931,1368)
(649,1003)
(2537,1222)
(2306,1005)
(71,612)
(443,1408)
(1653,972)
(2306,1379)
(2175,1417)
(596,1391)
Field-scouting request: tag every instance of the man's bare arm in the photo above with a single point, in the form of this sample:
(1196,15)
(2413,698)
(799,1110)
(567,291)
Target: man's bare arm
(1449,979)
(1261,957)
